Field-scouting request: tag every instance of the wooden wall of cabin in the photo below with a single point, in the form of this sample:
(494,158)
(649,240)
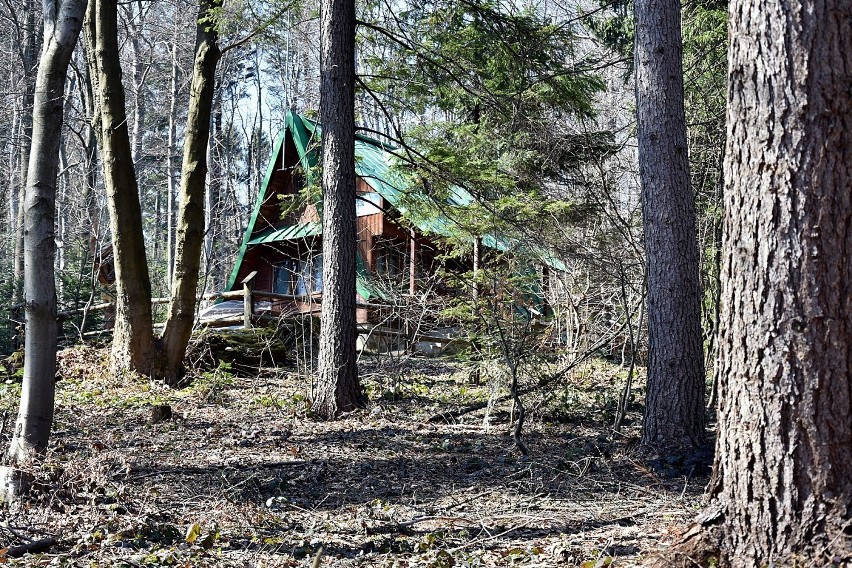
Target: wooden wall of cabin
(286,180)
(373,229)
(263,258)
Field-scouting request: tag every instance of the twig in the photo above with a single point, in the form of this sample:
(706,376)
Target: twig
(15,533)
(489,537)
(840,533)
(30,547)
(203,470)
(317,559)
(624,400)
(469,499)
(542,383)
(451,520)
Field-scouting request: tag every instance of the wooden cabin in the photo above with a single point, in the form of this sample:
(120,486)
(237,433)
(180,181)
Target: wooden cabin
(281,253)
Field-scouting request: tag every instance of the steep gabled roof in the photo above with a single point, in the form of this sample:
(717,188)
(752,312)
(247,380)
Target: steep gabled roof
(374,163)
(377,164)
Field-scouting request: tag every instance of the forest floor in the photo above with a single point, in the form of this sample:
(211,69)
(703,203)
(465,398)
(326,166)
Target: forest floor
(241,475)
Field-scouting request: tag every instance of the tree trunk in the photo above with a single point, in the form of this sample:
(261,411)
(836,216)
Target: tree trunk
(135,26)
(338,389)
(63,21)
(90,164)
(190,224)
(133,346)
(11,217)
(88,198)
(213,218)
(783,476)
(674,409)
(9,199)
(61,190)
(29,57)
(170,165)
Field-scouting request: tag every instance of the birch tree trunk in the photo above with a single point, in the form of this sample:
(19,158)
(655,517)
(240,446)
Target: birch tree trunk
(190,223)
(674,407)
(62,23)
(133,346)
(783,477)
(338,389)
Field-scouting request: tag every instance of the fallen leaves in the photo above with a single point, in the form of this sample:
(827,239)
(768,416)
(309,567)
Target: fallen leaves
(237,479)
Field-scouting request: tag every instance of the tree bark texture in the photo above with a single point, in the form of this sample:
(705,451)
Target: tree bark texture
(338,389)
(783,476)
(133,346)
(674,408)
(190,224)
(63,21)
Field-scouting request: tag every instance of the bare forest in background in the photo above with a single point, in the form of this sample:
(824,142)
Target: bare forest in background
(589,331)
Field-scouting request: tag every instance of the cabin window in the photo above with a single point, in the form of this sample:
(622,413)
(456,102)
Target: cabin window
(298,277)
(282,277)
(391,259)
(309,276)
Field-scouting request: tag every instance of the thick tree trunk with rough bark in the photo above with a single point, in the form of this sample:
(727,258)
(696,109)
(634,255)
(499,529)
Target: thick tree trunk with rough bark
(674,408)
(190,224)
(338,389)
(783,477)
(63,21)
(133,346)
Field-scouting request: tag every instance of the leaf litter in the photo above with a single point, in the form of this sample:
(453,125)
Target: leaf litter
(241,475)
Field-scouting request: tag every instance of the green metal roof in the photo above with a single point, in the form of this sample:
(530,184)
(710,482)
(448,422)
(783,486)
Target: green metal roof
(378,164)
(288,233)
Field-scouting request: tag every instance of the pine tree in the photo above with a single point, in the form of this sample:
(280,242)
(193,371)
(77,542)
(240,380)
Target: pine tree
(674,407)
(782,485)
(338,388)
